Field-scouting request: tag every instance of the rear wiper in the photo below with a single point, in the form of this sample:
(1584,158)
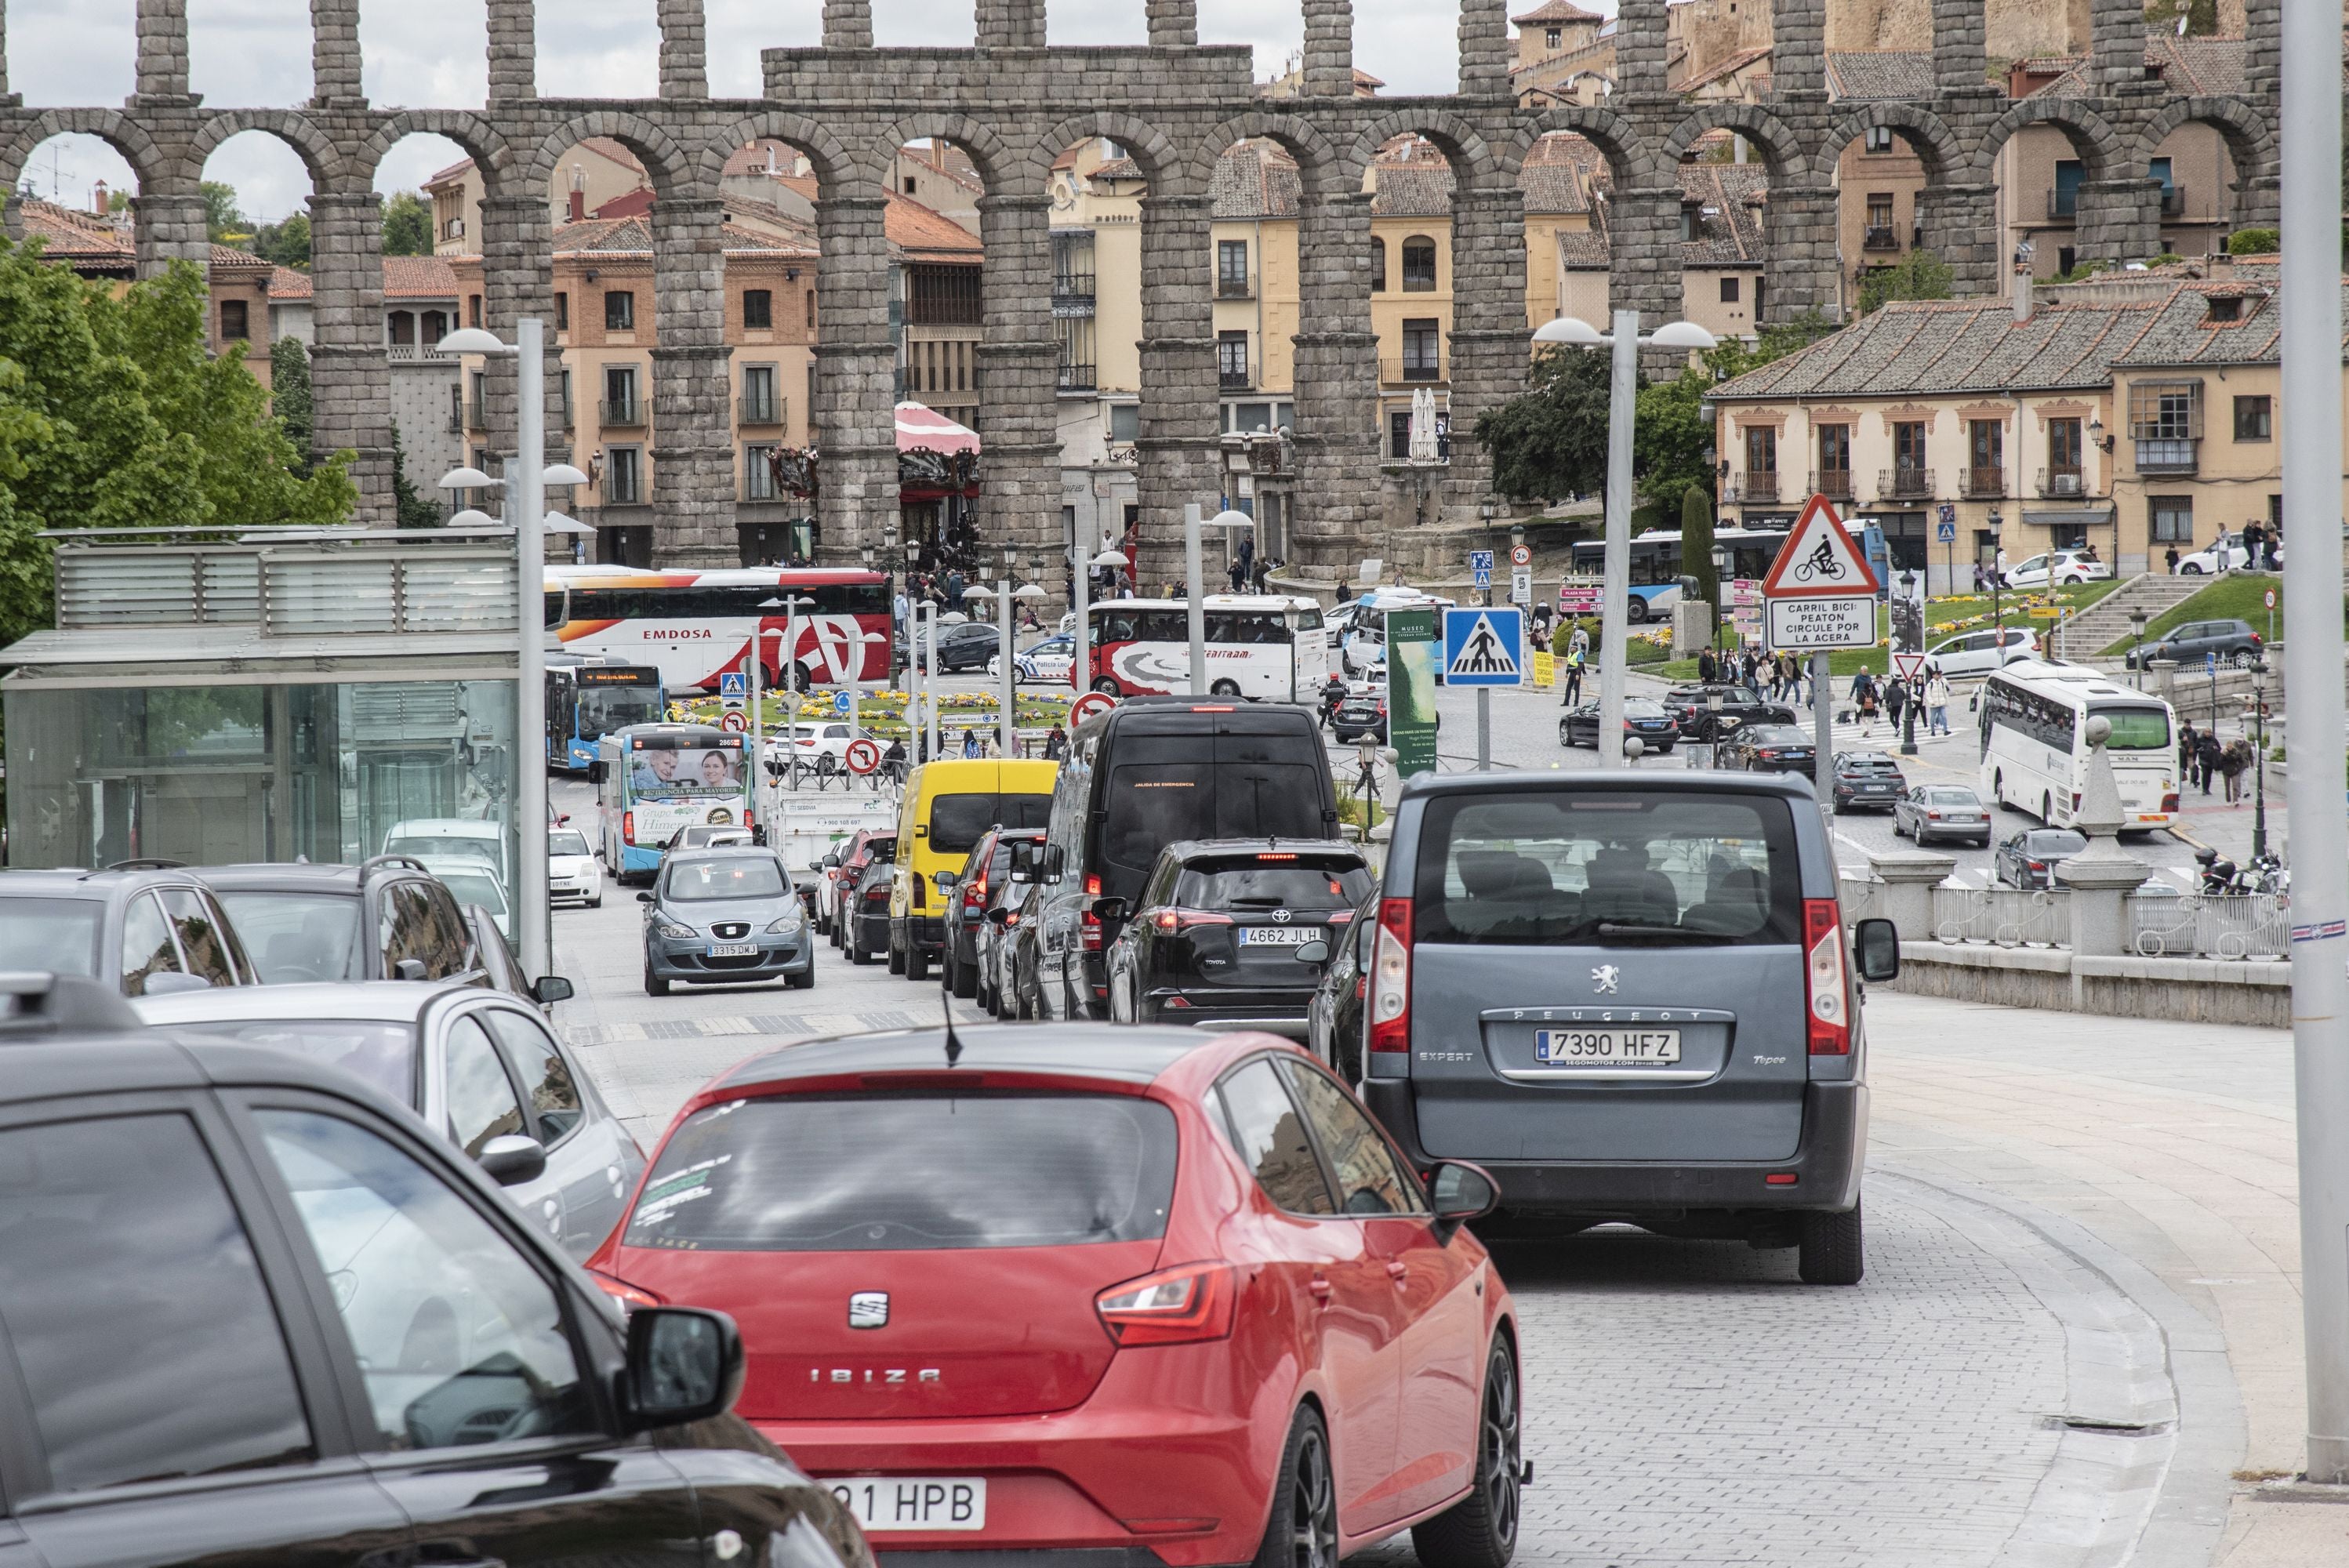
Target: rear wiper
(1612,928)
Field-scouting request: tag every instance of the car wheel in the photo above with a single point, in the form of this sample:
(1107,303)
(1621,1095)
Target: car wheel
(1224,688)
(961,981)
(1898,831)
(1106,687)
(1637,611)
(1303,1530)
(896,955)
(1832,1249)
(1480,1530)
(2189,569)
(2243,658)
(653,984)
(856,953)
(917,965)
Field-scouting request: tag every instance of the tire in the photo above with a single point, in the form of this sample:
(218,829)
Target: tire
(897,959)
(1832,1248)
(1637,611)
(856,953)
(961,980)
(801,982)
(2243,658)
(1302,1529)
(918,966)
(1106,687)
(1897,831)
(1480,1530)
(595,902)
(1006,1010)
(2189,569)
(1224,688)
(653,984)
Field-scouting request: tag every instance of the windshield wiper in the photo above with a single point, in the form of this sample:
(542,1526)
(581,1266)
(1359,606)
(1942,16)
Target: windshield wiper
(1614,928)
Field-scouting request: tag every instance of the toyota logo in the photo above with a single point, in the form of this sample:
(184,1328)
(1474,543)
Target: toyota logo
(1282,915)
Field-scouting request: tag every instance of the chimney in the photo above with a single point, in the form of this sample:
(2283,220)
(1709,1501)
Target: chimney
(578,192)
(2022,300)
(98,199)
(770,158)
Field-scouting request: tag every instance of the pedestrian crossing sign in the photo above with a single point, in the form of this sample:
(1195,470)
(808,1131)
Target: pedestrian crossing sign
(730,684)
(1483,647)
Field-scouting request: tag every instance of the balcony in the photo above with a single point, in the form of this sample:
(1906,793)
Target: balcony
(475,419)
(1833,483)
(1230,287)
(2064,204)
(1079,378)
(1753,484)
(2173,201)
(620,414)
(1072,294)
(767,410)
(417,353)
(1411,370)
(2165,454)
(1903,484)
(622,488)
(2061,481)
(1982,484)
(1879,237)
(1230,378)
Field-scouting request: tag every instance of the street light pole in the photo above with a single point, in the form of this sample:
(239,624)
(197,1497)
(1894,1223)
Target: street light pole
(2260,759)
(1997,582)
(1197,597)
(1007,687)
(2136,647)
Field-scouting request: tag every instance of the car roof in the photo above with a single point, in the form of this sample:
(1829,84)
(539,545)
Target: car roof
(1078,1052)
(699,853)
(1650,782)
(390,1001)
(288,876)
(1209,848)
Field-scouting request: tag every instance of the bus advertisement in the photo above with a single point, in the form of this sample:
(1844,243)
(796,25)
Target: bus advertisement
(585,702)
(1257,645)
(657,778)
(694,627)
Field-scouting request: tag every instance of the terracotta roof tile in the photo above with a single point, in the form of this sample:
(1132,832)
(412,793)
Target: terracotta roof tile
(1556,11)
(418,277)
(1954,347)
(927,233)
(285,284)
(1255,180)
(1871,75)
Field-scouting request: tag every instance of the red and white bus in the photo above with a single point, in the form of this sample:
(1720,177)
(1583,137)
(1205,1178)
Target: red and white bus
(694,625)
(1258,645)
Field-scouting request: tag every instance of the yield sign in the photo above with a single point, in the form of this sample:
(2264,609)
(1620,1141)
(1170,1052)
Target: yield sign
(1908,666)
(1818,560)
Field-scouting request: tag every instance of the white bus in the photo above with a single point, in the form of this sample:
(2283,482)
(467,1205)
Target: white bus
(2034,749)
(694,625)
(1258,645)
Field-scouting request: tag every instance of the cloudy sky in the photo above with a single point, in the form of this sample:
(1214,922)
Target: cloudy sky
(253,52)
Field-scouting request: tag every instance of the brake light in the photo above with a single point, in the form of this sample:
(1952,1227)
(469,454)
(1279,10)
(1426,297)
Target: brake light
(2039,865)
(877,893)
(1391,997)
(919,891)
(1213,707)
(1276,857)
(627,827)
(629,1297)
(1187,919)
(1824,978)
(2075,800)
(1093,885)
(1182,1306)
(2170,802)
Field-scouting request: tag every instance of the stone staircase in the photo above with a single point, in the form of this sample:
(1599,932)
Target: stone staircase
(2107,622)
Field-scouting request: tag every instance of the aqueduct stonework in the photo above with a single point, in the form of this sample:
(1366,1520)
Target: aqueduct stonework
(1013,103)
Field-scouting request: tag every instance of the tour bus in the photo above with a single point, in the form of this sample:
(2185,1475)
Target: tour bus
(654,778)
(1656,565)
(694,625)
(587,700)
(1257,645)
(2034,746)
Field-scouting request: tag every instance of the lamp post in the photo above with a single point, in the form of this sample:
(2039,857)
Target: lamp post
(2136,647)
(526,477)
(2260,759)
(1720,571)
(1198,588)
(1997,582)
(1622,401)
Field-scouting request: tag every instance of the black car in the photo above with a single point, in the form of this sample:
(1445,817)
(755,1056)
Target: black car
(1360,716)
(982,883)
(1233,931)
(1644,717)
(1768,748)
(2028,859)
(144,928)
(2196,642)
(255,1312)
(962,646)
(864,903)
(1333,1019)
(1868,780)
(1691,709)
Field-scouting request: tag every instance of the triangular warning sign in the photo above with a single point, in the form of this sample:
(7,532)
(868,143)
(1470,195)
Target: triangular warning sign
(1484,651)
(1818,560)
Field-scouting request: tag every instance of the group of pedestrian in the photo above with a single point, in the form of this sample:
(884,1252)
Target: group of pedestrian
(1894,698)
(2202,757)
(1248,570)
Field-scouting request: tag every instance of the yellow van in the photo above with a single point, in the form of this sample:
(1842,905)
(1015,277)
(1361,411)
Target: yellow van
(949,805)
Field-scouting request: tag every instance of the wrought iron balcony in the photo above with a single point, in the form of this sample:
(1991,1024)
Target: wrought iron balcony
(1753,484)
(1982,484)
(767,410)
(620,413)
(2063,203)
(1230,287)
(1904,483)
(1879,237)
(1833,483)
(1078,379)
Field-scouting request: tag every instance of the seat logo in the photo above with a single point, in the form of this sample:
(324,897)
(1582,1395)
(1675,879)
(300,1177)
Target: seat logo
(1603,978)
(868,1309)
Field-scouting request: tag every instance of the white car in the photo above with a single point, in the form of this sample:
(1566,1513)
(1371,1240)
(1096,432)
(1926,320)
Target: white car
(1047,660)
(438,837)
(573,871)
(2225,553)
(1978,652)
(807,742)
(2061,569)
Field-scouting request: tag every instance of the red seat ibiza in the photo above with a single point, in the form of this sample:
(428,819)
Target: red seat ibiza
(1134,1294)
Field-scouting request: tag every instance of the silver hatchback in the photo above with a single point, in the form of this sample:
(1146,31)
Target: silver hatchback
(722,916)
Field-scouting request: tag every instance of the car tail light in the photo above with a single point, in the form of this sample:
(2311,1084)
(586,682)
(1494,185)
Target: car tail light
(1187,919)
(2039,865)
(629,1296)
(1824,978)
(1178,1003)
(1182,1306)
(1932,816)
(918,889)
(1390,968)
(2170,802)
(1269,856)
(877,893)
(1213,707)
(2255,636)
(627,827)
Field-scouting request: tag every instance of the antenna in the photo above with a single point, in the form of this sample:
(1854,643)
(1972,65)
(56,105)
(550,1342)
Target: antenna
(946,1005)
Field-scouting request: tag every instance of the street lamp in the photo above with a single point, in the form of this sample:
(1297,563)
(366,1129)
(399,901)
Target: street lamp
(526,477)
(1622,401)
(1721,560)
(1910,705)
(1997,582)
(1227,521)
(2259,760)
(2136,646)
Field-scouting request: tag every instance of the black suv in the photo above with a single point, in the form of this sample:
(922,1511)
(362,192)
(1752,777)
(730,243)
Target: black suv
(1692,707)
(254,1313)
(145,928)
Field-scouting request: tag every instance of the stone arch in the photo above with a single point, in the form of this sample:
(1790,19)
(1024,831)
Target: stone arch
(1925,132)
(2250,137)
(1144,143)
(979,141)
(1317,156)
(1473,160)
(481,139)
(835,168)
(1782,154)
(671,170)
(2092,136)
(1628,156)
(328,170)
(157,174)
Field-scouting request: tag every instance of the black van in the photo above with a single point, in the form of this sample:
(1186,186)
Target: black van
(1151,772)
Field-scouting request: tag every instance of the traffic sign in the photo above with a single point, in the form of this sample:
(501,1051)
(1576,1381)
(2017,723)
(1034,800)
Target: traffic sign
(1480,560)
(842,702)
(2210,664)
(1521,555)
(1481,646)
(2270,598)
(1811,624)
(1945,533)
(1521,585)
(864,755)
(733,722)
(1907,666)
(732,689)
(1088,705)
(1819,561)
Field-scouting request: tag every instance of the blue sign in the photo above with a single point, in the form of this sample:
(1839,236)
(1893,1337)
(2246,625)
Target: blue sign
(1482,647)
(1945,533)
(1480,565)
(2210,664)
(730,684)
(842,701)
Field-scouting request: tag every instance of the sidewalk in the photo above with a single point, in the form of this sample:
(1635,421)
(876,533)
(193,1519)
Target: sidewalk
(2169,1147)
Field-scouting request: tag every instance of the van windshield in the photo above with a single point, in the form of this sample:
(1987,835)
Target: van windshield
(1592,868)
(1154,804)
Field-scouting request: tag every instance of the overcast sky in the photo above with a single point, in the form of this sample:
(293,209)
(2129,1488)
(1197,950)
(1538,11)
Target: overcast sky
(256,52)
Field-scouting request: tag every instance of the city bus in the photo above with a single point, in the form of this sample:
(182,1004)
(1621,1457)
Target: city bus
(1656,565)
(1257,645)
(653,778)
(587,700)
(693,626)
(2033,721)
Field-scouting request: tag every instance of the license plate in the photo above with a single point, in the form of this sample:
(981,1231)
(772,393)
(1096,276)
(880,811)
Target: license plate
(1607,1047)
(735,950)
(914,1501)
(1279,935)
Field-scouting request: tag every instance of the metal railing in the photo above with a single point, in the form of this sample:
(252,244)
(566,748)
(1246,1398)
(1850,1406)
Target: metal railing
(1904,481)
(757,410)
(2063,203)
(1079,377)
(623,489)
(2219,926)
(1879,237)
(1753,484)
(1982,482)
(475,419)
(2060,481)
(620,413)
(2173,201)
(2002,916)
(1407,370)
(1833,483)
(1234,379)
(1228,287)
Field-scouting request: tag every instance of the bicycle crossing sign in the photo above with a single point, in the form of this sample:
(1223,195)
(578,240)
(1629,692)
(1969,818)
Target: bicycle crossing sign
(1481,648)
(1819,560)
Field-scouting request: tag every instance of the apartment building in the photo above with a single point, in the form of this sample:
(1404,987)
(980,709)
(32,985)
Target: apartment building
(1096,216)
(1879,178)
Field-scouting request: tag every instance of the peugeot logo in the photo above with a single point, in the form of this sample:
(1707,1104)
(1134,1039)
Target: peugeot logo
(1281,915)
(868,1309)
(1602,980)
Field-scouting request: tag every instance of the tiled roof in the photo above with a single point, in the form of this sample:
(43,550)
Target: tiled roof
(417,277)
(1557,174)
(604,236)
(1583,250)
(1255,180)
(285,284)
(927,234)
(770,222)
(1119,168)
(1723,69)
(738,240)
(1924,348)
(84,239)
(1729,199)
(2183,333)
(1416,188)
(2188,66)
(1554,11)
(1867,75)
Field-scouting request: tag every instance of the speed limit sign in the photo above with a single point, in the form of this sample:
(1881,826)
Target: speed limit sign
(1521,555)
(1087,706)
(863,756)
(733,722)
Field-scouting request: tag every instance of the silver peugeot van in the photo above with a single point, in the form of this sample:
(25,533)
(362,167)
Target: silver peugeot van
(1632,997)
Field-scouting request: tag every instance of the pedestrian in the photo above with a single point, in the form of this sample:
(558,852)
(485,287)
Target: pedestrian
(1573,676)
(1863,698)
(954,587)
(1753,674)
(1937,701)
(1706,667)
(2206,752)
(1896,700)
(1238,575)
(970,742)
(2234,767)
(1056,744)
(2187,735)
(2253,535)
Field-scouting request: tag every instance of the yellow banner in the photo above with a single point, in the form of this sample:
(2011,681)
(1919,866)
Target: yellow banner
(1545,668)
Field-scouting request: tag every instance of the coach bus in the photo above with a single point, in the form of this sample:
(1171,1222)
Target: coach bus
(588,698)
(654,778)
(1656,566)
(2034,719)
(1257,645)
(694,627)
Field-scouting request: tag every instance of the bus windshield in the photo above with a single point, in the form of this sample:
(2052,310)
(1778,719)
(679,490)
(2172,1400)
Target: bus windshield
(2136,729)
(605,708)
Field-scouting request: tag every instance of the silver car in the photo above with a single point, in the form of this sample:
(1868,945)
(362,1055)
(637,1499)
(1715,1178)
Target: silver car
(481,1066)
(723,916)
(1933,812)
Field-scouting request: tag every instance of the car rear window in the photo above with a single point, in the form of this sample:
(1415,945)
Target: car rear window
(909,1172)
(379,1053)
(1588,868)
(958,821)
(1272,885)
(58,935)
(1873,763)
(1951,796)
(1154,804)
(298,936)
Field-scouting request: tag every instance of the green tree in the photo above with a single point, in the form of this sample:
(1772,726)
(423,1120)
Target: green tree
(2254,242)
(286,242)
(1781,338)
(411,509)
(407,224)
(1696,546)
(1919,274)
(1550,441)
(289,394)
(222,221)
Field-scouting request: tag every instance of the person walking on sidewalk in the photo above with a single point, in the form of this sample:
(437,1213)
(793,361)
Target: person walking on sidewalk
(1936,702)
(1896,700)
(2234,767)
(2206,752)
(1863,698)
(2187,735)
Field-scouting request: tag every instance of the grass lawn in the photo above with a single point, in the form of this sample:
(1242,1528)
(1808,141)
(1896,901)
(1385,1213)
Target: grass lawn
(2237,596)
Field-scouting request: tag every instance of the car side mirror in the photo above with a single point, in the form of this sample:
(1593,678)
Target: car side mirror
(1109,909)
(171,982)
(550,989)
(1460,1193)
(997,916)
(644,898)
(1314,952)
(831,862)
(1877,943)
(401,969)
(511,1159)
(684,1365)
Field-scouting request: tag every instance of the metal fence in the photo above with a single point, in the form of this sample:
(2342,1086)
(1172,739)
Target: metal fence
(2217,925)
(1862,898)
(2005,917)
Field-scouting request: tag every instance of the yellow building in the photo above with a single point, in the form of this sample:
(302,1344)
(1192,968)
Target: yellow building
(1096,195)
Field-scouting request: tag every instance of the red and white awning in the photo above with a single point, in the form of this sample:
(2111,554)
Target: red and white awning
(919,425)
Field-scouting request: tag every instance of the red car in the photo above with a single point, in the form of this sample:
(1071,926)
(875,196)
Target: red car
(1134,1292)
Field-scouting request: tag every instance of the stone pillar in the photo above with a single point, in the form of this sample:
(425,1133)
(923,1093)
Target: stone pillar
(1337,382)
(1173,24)
(1490,344)
(2264,48)
(848,25)
(9,100)
(514,53)
(693,452)
(1644,255)
(1485,51)
(1019,366)
(1176,452)
(163,49)
(854,401)
(1329,67)
(1011,24)
(1960,45)
(2120,219)
(1799,235)
(2116,43)
(517,279)
(2102,876)
(1640,52)
(335,53)
(1909,877)
(168,228)
(350,382)
(1797,49)
(684,50)
(1960,225)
